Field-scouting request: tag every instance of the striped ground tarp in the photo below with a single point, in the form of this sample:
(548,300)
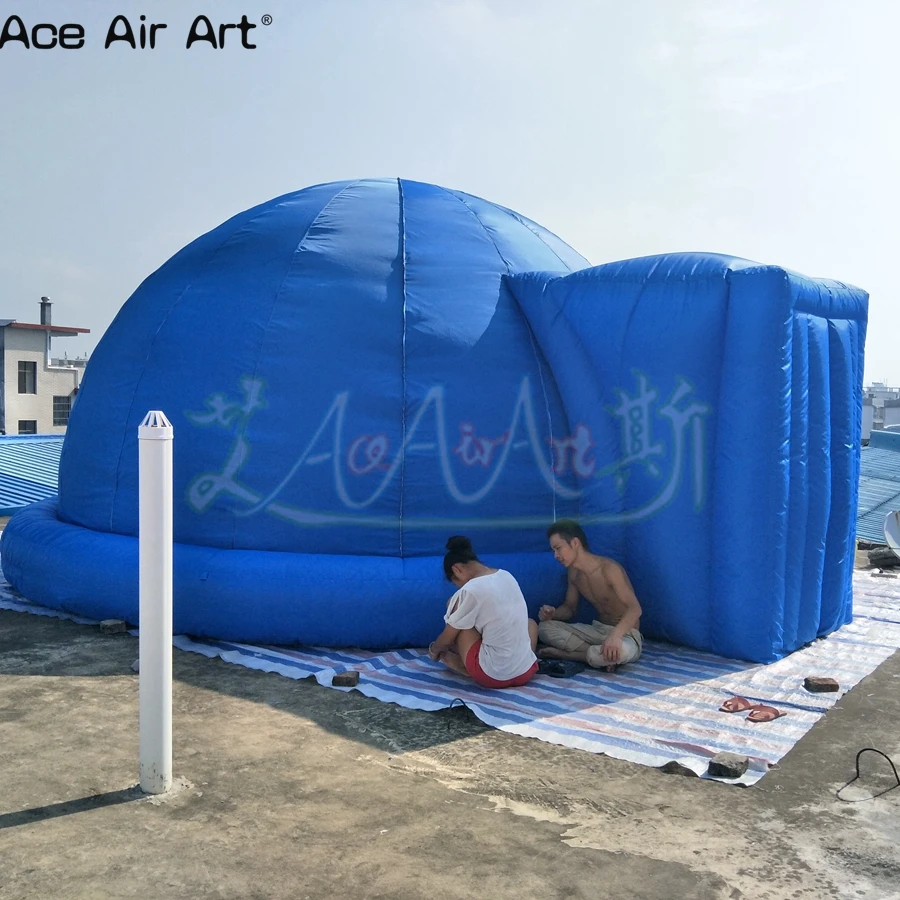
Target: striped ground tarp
(664,708)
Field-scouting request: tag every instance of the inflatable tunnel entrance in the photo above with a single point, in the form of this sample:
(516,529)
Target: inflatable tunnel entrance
(716,407)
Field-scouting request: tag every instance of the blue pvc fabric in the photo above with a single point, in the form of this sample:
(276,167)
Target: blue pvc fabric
(358,370)
(350,382)
(722,403)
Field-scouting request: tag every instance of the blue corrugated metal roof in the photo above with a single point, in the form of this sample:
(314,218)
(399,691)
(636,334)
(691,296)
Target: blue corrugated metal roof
(879,484)
(29,469)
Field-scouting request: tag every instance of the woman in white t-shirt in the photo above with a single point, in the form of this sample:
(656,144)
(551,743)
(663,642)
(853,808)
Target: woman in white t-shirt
(488,635)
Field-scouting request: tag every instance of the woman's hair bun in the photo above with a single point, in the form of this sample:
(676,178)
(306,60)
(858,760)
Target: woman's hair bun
(458,543)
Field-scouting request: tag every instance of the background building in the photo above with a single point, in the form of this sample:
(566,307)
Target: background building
(36,390)
(881,408)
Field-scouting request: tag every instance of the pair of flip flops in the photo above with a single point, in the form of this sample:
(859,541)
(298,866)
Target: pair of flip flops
(759,712)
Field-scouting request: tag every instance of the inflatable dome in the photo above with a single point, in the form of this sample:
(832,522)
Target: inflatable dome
(357,371)
(350,382)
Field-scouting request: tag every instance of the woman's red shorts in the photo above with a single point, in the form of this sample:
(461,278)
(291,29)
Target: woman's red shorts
(473,667)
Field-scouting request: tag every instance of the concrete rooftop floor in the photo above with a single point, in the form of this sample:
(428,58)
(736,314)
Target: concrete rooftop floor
(289,790)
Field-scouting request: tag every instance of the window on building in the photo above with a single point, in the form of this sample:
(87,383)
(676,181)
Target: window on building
(27,377)
(27,426)
(62,406)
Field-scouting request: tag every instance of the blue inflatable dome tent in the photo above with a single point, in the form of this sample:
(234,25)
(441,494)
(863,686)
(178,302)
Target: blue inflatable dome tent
(357,370)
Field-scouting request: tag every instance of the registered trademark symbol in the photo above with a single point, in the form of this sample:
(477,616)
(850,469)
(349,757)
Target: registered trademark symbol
(266,20)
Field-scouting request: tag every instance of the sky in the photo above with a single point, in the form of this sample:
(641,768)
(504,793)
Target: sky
(764,129)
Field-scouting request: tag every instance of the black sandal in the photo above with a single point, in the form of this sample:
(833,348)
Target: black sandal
(560,668)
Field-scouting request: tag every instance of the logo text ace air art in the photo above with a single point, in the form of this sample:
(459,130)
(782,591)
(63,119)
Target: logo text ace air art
(142,35)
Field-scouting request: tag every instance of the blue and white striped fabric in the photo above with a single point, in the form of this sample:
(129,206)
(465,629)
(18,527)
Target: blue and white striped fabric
(664,708)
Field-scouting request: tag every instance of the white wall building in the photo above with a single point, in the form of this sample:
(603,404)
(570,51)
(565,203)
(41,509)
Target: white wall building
(881,408)
(868,417)
(891,417)
(36,392)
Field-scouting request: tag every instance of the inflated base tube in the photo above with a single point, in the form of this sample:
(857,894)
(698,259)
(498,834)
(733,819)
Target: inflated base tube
(251,595)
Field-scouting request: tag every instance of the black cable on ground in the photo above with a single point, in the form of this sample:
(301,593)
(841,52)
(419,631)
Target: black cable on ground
(458,700)
(858,755)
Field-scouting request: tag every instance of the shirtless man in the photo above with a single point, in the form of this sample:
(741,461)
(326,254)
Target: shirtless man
(612,640)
